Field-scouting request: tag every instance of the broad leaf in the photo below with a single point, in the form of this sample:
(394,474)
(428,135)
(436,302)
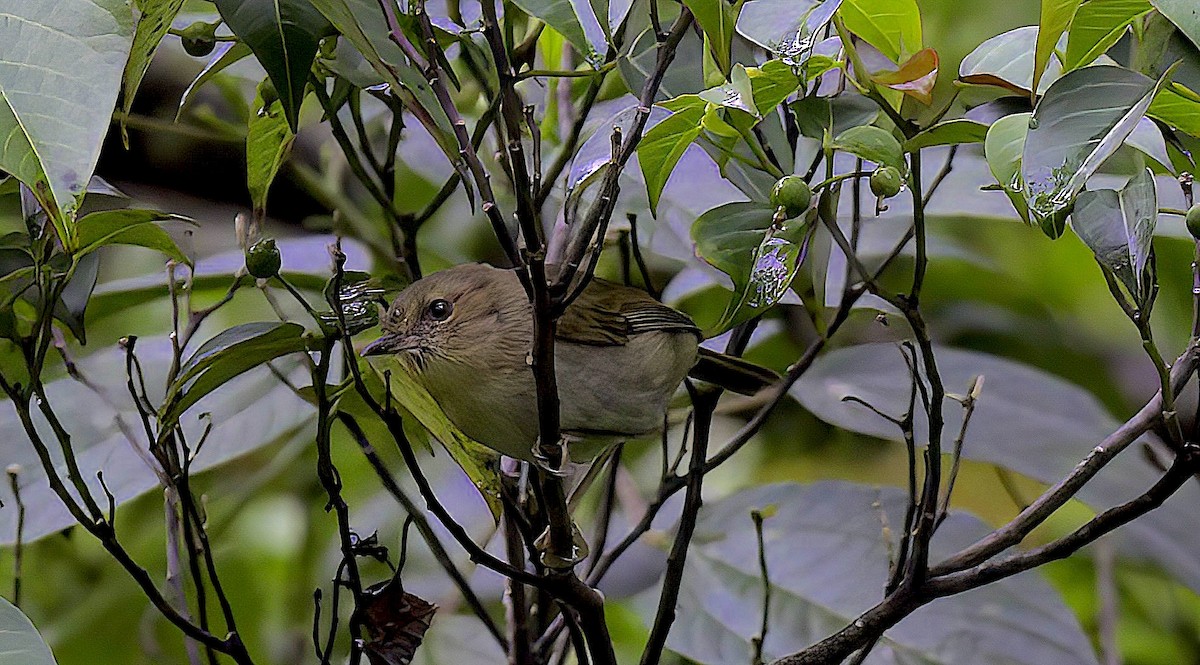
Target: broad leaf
(1081,121)
(227,355)
(661,148)
(717,19)
(60,72)
(153,22)
(1025,420)
(1003,146)
(284,35)
(948,132)
(771,84)
(892,26)
(1118,226)
(1177,110)
(1006,60)
(827,548)
(251,412)
(128,227)
(1055,18)
(759,253)
(562,16)
(786,28)
(1183,14)
(872,144)
(268,143)
(20,643)
(1098,25)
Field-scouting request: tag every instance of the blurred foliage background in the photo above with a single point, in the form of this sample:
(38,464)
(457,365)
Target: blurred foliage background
(1017,294)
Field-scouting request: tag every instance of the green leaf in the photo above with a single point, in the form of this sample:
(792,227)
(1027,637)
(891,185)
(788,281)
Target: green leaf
(1055,18)
(892,26)
(1003,147)
(284,35)
(1080,122)
(72,305)
(224,55)
(60,72)
(664,144)
(560,15)
(251,412)
(1118,227)
(872,144)
(717,19)
(20,643)
(828,548)
(1006,60)
(1184,14)
(1098,25)
(948,132)
(1176,110)
(760,255)
(152,25)
(128,227)
(771,84)
(227,355)
(268,142)
(477,460)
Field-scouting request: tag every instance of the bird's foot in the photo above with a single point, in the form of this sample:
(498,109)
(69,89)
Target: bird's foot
(562,560)
(555,460)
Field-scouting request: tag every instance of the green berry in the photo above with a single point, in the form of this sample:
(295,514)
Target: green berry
(199,39)
(792,194)
(886,182)
(263,259)
(1193,221)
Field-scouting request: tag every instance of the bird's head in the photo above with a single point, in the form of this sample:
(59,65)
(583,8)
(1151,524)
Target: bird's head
(461,315)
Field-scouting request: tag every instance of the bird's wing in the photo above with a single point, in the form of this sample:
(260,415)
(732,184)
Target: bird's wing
(607,314)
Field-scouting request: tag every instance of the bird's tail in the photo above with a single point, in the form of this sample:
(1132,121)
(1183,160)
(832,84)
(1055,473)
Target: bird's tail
(732,373)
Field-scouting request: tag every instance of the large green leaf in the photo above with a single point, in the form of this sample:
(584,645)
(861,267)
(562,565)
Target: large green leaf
(1006,60)
(1179,111)
(663,145)
(1098,25)
(1055,18)
(892,26)
(872,144)
(759,253)
(717,19)
(1184,14)
(1025,420)
(227,355)
(268,142)
(1118,226)
(132,226)
(20,643)
(60,71)
(1080,122)
(828,548)
(948,132)
(1002,147)
(153,22)
(560,15)
(253,411)
(284,35)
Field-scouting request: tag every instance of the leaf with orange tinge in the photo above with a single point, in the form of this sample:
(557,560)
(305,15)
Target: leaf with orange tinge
(914,78)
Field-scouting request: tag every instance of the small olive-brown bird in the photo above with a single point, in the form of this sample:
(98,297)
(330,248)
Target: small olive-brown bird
(466,335)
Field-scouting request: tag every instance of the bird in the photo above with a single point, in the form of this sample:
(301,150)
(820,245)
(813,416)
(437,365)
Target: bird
(465,334)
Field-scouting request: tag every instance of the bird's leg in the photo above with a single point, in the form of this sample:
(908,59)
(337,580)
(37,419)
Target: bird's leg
(546,464)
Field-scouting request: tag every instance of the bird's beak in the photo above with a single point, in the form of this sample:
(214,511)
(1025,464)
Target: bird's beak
(386,344)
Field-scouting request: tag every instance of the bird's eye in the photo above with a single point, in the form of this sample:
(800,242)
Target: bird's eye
(439,310)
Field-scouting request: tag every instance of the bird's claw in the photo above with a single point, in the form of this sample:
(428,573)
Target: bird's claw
(546,463)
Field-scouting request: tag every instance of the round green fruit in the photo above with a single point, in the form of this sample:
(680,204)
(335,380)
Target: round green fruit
(792,194)
(886,182)
(1193,221)
(199,39)
(263,259)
